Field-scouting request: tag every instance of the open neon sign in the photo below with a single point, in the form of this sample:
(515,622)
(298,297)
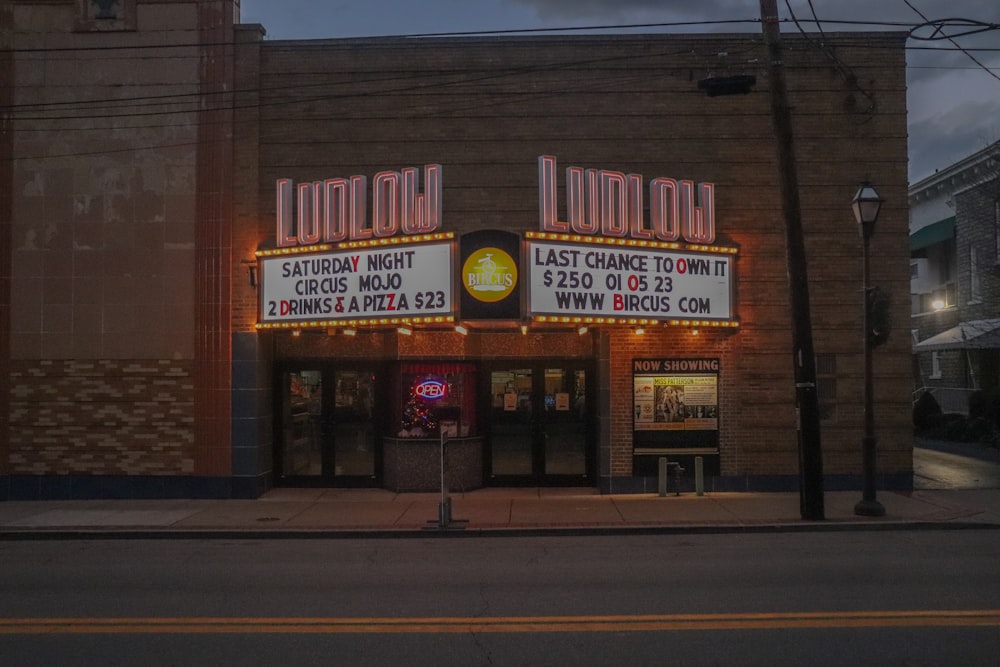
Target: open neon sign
(431,390)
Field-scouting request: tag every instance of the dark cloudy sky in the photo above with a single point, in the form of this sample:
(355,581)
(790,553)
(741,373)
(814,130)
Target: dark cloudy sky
(954,105)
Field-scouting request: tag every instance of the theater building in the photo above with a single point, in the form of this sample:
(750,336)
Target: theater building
(231,264)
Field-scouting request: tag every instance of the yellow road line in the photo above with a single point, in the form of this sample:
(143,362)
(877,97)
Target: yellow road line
(524,624)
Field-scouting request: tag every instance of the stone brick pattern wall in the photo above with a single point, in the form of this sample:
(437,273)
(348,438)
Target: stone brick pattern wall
(111,417)
(118,230)
(975,220)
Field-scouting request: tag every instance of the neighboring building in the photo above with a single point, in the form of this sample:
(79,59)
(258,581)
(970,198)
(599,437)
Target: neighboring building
(230,264)
(955,279)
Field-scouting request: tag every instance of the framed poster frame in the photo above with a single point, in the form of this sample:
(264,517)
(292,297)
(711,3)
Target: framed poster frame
(675,412)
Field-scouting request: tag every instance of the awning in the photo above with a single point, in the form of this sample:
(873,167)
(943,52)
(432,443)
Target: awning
(972,335)
(931,234)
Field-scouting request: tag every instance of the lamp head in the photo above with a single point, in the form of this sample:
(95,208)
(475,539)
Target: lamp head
(866,205)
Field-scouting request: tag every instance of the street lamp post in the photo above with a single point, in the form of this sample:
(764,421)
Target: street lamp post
(866,205)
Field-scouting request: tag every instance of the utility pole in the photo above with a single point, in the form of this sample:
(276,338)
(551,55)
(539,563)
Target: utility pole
(804,357)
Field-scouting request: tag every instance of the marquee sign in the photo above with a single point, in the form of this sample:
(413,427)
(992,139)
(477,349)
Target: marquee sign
(588,281)
(377,284)
(604,264)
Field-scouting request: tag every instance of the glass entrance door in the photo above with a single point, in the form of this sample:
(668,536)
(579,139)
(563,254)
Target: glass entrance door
(301,424)
(353,430)
(327,433)
(564,428)
(512,427)
(541,424)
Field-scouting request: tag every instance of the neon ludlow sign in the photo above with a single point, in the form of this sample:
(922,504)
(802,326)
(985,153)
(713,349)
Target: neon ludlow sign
(610,203)
(334,210)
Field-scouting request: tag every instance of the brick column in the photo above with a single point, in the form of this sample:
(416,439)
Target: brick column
(213,242)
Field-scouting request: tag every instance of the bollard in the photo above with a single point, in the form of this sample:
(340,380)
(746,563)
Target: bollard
(444,513)
(662,478)
(699,476)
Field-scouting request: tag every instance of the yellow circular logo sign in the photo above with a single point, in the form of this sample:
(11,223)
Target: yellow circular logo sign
(489,275)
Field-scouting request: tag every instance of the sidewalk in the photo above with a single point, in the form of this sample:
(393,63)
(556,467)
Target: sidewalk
(491,511)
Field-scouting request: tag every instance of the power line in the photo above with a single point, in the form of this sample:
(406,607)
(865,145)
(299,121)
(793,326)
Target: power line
(413,36)
(952,40)
(582,64)
(349,42)
(847,72)
(230,96)
(176,99)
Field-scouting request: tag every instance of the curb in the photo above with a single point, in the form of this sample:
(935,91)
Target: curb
(31,534)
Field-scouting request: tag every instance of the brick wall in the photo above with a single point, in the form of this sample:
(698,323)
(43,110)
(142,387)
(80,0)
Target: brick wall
(485,109)
(975,219)
(110,417)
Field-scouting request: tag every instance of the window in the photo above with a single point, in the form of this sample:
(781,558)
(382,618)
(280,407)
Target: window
(826,385)
(435,398)
(935,366)
(975,280)
(105,15)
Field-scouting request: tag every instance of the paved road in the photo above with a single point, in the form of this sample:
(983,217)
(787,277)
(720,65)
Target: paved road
(858,598)
(950,467)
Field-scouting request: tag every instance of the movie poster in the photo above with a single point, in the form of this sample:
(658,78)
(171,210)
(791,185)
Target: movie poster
(676,395)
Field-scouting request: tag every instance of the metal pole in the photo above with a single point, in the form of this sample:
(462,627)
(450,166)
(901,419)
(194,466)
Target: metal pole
(804,357)
(444,507)
(868,505)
